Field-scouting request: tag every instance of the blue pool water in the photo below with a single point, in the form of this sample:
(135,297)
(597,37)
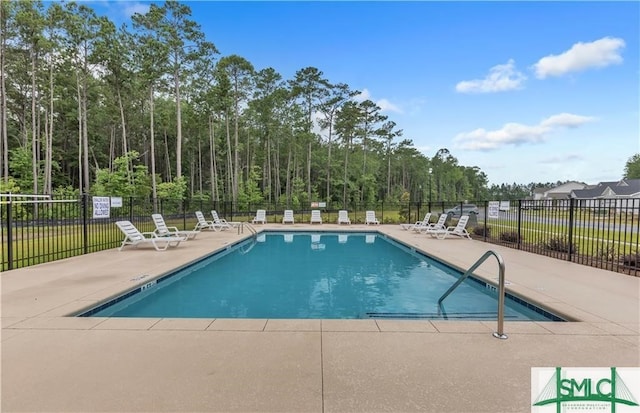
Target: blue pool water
(316,275)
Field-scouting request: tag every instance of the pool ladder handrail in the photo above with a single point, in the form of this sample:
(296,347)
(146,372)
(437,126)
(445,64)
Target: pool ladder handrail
(500,333)
(253,231)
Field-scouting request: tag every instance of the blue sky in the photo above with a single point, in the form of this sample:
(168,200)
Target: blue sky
(526,91)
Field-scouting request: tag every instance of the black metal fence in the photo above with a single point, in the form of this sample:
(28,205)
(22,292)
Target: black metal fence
(603,233)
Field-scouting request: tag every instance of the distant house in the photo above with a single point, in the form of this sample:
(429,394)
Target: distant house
(538,193)
(625,188)
(546,196)
(623,195)
(563,191)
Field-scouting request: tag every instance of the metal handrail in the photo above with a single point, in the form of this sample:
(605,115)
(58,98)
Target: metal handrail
(500,333)
(253,231)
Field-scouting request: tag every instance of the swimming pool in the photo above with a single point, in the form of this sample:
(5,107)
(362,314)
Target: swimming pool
(316,275)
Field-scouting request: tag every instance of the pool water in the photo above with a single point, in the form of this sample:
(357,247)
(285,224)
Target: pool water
(316,275)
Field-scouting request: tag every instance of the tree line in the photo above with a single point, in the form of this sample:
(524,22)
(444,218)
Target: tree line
(151,108)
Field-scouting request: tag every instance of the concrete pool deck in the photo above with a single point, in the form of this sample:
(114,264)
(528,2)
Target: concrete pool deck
(55,363)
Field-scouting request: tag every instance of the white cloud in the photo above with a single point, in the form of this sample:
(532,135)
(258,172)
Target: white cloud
(501,78)
(362,96)
(567,120)
(425,149)
(387,106)
(384,104)
(517,133)
(581,56)
(119,9)
(131,8)
(562,160)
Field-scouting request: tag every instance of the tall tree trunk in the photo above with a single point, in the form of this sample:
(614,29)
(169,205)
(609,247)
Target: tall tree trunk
(230,170)
(179,125)
(192,173)
(125,145)
(267,164)
(34,130)
(235,149)
(200,167)
(152,136)
(346,167)
(3,97)
(45,173)
(309,170)
(112,148)
(328,195)
(85,134)
(276,171)
(48,186)
(212,160)
(388,175)
(248,162)
(123,124)
(80,169)
(288,182)
(169,175)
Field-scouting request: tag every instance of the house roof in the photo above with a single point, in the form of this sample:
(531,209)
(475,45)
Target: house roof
(566,188)
(622,188)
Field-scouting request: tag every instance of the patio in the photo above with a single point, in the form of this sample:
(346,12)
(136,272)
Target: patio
(52,362)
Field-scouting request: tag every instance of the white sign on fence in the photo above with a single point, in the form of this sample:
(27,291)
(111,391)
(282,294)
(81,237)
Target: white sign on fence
(504,206)
(494,209)
(116,202)
(101,207)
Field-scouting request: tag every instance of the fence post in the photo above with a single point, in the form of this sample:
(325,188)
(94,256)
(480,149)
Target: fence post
(9,235)
(131,208)
(184,212)
(570,235)
(85,230)
(519,224)
(486,228)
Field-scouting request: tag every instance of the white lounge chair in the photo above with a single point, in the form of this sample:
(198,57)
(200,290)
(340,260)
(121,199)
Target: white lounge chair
(316,218)
(459,230)
(416,226)
(370,218)
(424,223)
(224,225)
(204,224)
(343,217)
(135,237)
(162,230)
(261,217)
(435,226)
(288,217)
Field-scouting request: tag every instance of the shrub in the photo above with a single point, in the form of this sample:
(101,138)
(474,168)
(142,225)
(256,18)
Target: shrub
(631,260)
(404,207)
(559,244)
(510,236)
(606,252)
(481,231)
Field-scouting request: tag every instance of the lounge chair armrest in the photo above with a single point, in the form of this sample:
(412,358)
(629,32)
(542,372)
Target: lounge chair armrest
(150,234)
